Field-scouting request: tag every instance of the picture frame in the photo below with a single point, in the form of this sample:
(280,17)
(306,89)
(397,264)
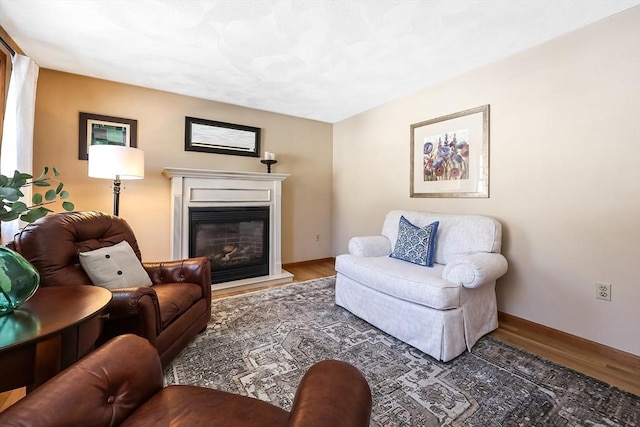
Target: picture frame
(99,129)
(450,155)
(210,136)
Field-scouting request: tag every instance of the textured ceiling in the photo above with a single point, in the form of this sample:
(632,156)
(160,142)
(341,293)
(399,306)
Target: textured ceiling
(324,59)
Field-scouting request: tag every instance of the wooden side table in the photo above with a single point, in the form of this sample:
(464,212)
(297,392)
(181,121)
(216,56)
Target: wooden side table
(48,333)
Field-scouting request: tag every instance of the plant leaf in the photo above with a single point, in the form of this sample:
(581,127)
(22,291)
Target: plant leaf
(10,194)
(68,206)
(56,172)
(19,175)
(37,199)
(43,174)
(19,207)
(35,214)
(59,188)
(9,216)
(50,195)
(64,194)
(19,179)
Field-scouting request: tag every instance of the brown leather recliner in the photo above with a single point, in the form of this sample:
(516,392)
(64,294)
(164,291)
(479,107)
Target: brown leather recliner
(121,384)
(168,314)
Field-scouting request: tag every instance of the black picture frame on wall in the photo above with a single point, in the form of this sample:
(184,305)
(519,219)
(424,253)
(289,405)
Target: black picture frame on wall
(210,136)
(97,129)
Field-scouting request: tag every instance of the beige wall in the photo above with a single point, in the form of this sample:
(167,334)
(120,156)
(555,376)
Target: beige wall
(564,180)
(303,147)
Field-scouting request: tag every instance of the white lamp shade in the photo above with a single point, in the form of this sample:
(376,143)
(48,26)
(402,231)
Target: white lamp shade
(115,162)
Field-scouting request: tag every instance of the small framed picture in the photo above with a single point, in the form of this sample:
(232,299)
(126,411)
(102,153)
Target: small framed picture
(96,129)
(209,136)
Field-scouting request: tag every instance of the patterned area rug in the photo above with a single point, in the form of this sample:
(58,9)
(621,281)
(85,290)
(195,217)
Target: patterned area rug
(260,345)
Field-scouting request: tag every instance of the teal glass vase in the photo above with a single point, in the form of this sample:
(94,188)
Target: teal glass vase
(19,280)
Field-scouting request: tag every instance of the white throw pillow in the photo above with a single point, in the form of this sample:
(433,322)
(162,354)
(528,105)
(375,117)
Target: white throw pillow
(114,267)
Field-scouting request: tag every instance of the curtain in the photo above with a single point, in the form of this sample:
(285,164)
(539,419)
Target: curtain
(16,152)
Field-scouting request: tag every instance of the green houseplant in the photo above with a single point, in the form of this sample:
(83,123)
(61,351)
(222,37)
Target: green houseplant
(10,193)
(18,278)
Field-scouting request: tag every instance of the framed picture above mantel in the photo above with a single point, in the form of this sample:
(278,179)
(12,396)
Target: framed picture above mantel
(211,136)
(96,129)
(450,155)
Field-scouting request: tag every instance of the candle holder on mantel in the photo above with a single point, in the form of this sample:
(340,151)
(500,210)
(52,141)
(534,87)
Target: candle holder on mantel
(268,163)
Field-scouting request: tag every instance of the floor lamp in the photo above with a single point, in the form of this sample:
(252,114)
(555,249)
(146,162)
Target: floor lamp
(116,162)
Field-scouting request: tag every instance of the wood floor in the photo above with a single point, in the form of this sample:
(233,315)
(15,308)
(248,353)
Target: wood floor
(611,366)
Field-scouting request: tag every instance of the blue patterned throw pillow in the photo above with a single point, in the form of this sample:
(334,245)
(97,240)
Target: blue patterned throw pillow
(416,245)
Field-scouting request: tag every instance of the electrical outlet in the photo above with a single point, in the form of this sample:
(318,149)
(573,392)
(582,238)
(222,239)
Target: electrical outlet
(603,291)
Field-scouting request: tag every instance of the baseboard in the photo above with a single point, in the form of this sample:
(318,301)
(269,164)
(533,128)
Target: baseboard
(308,262)
(613,354)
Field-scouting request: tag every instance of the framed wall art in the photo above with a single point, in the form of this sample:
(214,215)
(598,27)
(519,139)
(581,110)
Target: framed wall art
(450,155)
(221,138)
(96,129)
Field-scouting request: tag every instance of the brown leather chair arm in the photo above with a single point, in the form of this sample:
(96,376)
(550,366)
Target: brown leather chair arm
(193,270)
(139,305)
(332,393)
(100,390)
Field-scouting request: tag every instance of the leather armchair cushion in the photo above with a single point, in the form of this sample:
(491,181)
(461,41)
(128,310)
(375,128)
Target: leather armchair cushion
(184,405)
(176,298)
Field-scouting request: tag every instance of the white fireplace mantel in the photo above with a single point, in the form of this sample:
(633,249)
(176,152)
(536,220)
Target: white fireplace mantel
(217,188)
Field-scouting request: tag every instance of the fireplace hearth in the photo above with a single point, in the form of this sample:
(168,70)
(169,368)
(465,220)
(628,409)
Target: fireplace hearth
(235,239)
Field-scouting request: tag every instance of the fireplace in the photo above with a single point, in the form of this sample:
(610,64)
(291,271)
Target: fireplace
(197,193)
(235,239)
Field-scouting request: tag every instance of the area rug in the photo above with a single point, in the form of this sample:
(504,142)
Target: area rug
(260,345)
